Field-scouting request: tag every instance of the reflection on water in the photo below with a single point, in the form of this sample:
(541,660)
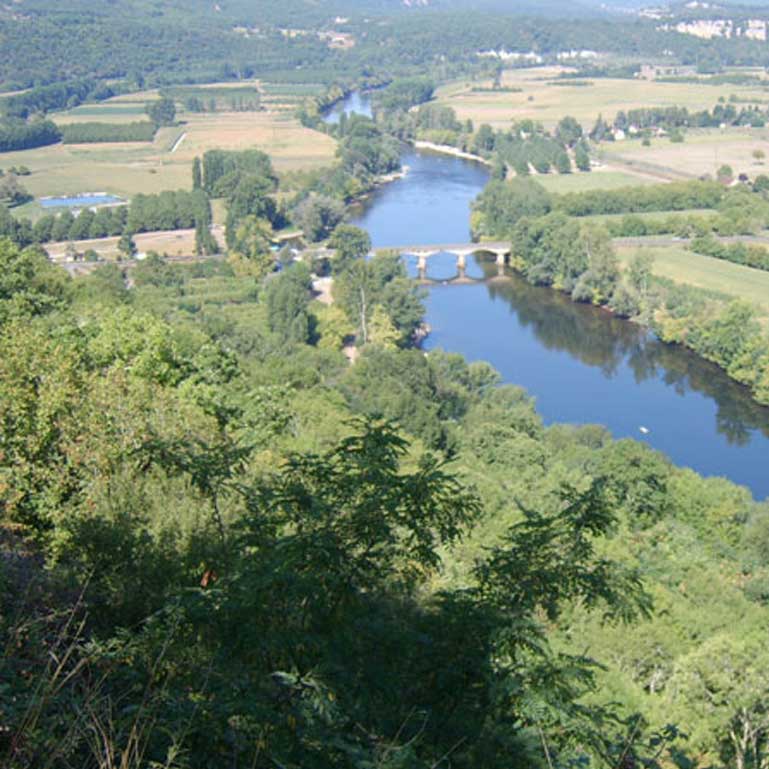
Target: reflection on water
(583,365)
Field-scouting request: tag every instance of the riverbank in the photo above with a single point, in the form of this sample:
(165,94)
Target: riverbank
(447,149)
(380,181)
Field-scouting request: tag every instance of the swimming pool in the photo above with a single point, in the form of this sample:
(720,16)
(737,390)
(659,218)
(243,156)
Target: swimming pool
(86,200)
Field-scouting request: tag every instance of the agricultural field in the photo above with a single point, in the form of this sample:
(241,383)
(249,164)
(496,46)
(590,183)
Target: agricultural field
(126,169)
(537,94)
(683,266)
(599,179)
(703,152)
(112,111)
(171,242)
(694,213)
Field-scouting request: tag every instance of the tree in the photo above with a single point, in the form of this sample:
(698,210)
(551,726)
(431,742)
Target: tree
(582,157)
(318,216)
(205,242)
(249,198)
(598,282)
(333,327)
(382,332)
(162,112)
(640,272)
(354,289)
(758,156)
(253,237)
(197,174)
(725,684)
(562,163)
(380,281)
(29,284)
(287,298)
(12,193)
(154,271)
(568,131)
(350,243)
(725,174)
(127,246)
(484,139)
(600,130)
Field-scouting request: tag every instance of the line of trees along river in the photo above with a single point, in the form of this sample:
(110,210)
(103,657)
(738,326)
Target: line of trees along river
(580,363)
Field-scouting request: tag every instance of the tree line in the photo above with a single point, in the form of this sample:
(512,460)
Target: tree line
(747,254)
(677,196)
(146,213)
(16,134)
(679,117)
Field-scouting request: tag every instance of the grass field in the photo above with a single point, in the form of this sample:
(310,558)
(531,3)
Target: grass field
(106,112)
(595,180)
(703,151)
(131,168)
(682,266)
(703,213)
(540,100)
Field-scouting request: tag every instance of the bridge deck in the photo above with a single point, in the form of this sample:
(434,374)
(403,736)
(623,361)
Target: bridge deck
(494,247)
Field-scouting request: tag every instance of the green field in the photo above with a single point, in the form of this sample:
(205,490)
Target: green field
(595,180)
(106,112)
(682,266)
(703,213)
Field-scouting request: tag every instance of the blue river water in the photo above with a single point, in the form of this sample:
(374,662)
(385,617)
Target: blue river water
(580,363)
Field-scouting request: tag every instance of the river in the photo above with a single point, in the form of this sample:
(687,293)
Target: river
(581,364)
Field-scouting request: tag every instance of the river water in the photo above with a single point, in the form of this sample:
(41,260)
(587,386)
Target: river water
(581,364)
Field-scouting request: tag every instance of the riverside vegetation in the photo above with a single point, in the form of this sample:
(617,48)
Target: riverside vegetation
(551,246)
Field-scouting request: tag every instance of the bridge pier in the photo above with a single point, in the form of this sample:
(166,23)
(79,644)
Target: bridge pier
(422,266)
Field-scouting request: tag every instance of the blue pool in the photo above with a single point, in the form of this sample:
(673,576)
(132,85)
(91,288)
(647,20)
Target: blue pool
(86,200)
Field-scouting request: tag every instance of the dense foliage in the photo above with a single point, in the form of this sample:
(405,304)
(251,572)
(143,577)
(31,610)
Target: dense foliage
(20,135)
(261,571)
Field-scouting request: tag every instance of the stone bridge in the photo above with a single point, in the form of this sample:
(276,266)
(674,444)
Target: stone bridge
(501,252)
